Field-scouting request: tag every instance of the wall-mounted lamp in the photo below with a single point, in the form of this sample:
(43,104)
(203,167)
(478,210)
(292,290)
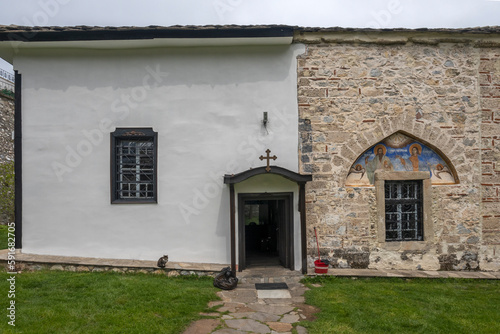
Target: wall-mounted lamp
(264,120)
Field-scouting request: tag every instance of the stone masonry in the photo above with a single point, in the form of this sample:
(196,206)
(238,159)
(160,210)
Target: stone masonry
(6,128)
(489,82)
(444,93)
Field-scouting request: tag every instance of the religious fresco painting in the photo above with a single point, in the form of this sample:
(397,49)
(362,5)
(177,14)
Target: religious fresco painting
(399,153)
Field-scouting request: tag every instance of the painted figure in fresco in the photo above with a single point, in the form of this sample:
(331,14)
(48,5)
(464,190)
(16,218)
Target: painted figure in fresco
(358,170)
(413,156)
(415,151)
(440,169)
(379,162)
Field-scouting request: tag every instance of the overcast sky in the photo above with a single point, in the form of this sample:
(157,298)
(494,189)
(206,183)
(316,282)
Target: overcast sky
(311,13)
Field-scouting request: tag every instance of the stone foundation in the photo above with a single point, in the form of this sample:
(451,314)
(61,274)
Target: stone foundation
(34,262)
(33,266)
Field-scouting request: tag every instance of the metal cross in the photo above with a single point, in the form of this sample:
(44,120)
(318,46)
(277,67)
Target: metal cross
(268,158)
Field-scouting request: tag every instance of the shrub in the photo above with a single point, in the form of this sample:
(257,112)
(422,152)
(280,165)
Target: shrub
(7,192)
(7,92)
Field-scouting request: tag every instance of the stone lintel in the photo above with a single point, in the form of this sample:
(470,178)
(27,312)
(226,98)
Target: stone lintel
(397,176)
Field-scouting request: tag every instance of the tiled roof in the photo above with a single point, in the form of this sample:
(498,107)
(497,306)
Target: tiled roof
(32,34)
(16,28)
(27,33)
(474,30)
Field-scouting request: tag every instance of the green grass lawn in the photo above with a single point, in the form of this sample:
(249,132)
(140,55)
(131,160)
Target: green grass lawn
(380,305)
(3,236)
(73,302)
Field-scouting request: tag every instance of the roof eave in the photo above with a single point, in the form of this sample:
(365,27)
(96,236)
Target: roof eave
(14,38)
(82,33)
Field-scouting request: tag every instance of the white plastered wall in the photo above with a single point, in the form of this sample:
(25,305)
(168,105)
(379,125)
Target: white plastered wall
(206,105)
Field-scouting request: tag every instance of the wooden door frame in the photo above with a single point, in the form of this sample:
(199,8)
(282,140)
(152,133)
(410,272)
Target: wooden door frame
(289,216)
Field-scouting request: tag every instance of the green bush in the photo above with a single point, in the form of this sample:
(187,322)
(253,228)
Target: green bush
(7,190)
(7,92)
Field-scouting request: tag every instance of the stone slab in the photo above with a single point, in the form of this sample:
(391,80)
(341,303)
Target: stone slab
(263,317)
(215,303)
(232,307)
(272,309)
(228,331)
(279,326)
(210,314)
(290,318)
(273,294)
(301,330)
(203,326)
(248,325)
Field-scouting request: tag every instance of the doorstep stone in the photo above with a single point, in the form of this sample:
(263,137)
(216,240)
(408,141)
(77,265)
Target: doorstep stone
(273,294)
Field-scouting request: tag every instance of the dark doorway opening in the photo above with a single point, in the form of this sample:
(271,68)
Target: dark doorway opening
(261,232)
(266,230)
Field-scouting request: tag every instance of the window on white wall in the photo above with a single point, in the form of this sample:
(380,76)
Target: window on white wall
(134,165)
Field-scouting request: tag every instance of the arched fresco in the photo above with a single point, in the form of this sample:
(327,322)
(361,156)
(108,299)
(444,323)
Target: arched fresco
(399,152)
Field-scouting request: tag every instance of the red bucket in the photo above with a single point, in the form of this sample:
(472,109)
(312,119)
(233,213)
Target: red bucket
(320,267)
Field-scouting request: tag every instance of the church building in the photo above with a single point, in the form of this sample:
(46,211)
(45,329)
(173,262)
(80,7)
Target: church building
(234,144)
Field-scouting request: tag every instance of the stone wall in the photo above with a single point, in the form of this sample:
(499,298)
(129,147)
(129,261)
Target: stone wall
(489,82)
(6,141)
(6,128)
(352,96)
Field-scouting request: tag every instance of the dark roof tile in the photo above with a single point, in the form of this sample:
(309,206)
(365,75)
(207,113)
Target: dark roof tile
(83,32)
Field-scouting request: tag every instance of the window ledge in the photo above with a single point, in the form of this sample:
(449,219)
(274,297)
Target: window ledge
(405,245)
(401,176)
(133,201)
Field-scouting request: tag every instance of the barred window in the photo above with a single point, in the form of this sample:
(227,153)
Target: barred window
(133,170)
(403,211)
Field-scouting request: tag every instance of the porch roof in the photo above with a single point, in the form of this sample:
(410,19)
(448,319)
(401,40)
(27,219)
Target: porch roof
(296,177)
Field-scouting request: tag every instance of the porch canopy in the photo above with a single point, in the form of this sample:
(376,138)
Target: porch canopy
(300,179)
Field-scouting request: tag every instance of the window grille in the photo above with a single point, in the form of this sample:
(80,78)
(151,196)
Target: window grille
(134,165)
(403,211)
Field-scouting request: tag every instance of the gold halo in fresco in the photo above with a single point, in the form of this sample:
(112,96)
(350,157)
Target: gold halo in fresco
(419,148)
(375,149)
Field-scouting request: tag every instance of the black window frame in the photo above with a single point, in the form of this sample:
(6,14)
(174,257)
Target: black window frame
(133,134)
(404,219)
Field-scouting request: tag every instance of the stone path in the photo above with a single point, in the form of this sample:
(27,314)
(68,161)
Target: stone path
(248,310)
